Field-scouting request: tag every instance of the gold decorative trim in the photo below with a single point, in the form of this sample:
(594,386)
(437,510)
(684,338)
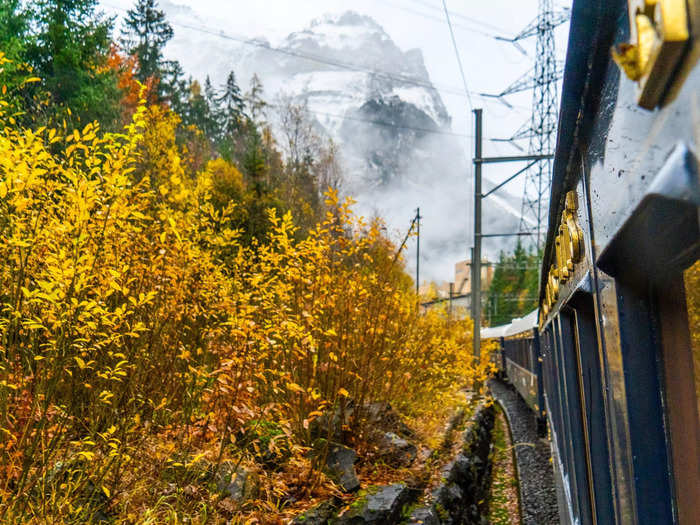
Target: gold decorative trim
(568,252)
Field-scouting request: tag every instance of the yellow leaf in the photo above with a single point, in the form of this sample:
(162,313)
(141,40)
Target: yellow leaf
(343,392)
(294,387)
(80,362)
(106,491)
(32,79)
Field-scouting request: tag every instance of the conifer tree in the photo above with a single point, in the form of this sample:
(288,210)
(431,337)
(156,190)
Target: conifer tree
(198,111)
(145,33)
(232,105)
(513,290)
(69,51)
(210,94)
(213,128)
(254,101)
(175,88)
(254,161)
(14,27)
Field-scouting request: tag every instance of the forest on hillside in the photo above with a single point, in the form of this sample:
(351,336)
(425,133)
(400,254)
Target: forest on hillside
(514,289)
(182,292)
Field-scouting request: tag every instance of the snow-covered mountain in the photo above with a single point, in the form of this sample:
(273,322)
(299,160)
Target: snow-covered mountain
(378,104)
(375,100)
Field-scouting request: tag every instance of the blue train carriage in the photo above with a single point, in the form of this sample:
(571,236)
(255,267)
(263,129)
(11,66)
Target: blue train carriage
(517,359)
(522,360)
(619,292)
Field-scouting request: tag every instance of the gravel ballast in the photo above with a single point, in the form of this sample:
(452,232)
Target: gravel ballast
(537,491)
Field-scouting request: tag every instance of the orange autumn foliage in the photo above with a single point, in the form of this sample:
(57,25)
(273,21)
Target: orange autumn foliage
(125,68)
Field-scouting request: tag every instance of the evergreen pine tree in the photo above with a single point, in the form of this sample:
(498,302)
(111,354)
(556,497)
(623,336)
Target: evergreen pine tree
(254,165)
(174,88)
(198,112)
(213,127)
(513,289)
(254,101)
(145,34)
(14,27)
(69,51)
(232,105)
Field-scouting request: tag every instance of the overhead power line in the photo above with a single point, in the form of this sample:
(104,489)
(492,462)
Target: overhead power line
(459,58)
(381,123)
(454,14)
(441,20)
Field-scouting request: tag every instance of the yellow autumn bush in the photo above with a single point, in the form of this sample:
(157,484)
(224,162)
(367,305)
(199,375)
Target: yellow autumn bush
(138,333)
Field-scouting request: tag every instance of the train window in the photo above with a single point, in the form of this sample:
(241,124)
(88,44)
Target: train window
(579,479)
(592,402)
(556,403)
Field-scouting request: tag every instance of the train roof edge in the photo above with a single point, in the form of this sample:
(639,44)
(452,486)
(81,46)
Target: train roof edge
(516,326)
(591,36)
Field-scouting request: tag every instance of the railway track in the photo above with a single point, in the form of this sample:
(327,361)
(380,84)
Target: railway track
(538,498)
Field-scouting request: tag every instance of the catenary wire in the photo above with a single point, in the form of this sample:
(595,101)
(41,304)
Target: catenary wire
(463,17)
(428,16)
(459,58)
(380,123)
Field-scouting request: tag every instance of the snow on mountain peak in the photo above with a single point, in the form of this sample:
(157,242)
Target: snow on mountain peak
(348,18)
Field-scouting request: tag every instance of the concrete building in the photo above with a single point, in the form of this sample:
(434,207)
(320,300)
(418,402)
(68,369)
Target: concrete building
(457,292)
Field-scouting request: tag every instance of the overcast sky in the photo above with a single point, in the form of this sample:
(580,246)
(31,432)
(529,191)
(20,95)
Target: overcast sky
(490,64)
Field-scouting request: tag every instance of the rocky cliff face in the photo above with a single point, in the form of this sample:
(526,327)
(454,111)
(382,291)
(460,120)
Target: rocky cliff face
(373,99)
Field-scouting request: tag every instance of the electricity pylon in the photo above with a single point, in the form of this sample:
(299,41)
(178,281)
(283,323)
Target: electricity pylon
(545,106)
(542,128)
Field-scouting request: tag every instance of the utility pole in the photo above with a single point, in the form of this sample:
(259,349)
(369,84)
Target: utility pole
(452,291)
(479,160)
(476,254)
(417,219)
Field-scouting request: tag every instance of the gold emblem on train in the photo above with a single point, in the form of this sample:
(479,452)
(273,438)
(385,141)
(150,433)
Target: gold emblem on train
(660,33)
(568,251)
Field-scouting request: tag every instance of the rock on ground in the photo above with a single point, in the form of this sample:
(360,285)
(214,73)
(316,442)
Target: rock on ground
(236,482)
(423,516)
(321,514)
(396,451)
(340,465)
(460,498)
(378,506)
